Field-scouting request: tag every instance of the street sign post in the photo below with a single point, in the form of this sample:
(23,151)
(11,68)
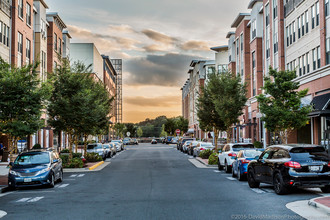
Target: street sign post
(177,131)
(128,134)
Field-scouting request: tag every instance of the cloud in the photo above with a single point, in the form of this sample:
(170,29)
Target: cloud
(163,70)
(123,28)
(155,48)
(159,37)
(162,101)
(195,45)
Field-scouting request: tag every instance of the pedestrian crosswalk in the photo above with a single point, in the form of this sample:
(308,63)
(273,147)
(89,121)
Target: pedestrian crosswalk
(77,175)
(29,199)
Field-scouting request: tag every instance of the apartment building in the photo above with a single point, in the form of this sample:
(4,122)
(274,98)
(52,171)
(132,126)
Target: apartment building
(185,99)
(21,32)
(54,41)
(5,28)
(221,58)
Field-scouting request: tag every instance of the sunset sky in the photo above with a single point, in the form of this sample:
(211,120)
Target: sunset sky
(156,40)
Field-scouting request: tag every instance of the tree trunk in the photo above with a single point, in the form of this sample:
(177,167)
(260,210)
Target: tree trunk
(229,135)
(70,145)
(85,144)
(76,140)
(216,134)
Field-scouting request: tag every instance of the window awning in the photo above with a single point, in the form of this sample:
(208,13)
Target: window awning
(321,105)
(190,131)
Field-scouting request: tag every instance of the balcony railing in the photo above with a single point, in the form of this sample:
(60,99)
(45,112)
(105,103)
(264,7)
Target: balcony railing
(289,7)
(5,7)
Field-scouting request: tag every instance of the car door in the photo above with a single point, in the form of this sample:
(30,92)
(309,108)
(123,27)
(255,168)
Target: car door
(259,165)
(222,155)
(55,165)
(277,158)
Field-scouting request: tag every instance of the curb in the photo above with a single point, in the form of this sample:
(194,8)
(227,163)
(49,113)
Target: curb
(96,165)
(319,206)
(201,161)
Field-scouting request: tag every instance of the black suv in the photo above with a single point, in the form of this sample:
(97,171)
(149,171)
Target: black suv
(289,166)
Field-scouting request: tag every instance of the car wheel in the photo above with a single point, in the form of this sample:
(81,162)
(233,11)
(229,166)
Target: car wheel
(60,178)
(325,189)
(279,186)
(227,169)
(52,181)
(233,172)
(252,182)
(219,166)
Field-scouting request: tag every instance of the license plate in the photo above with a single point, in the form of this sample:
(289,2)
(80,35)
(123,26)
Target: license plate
(27,180)
(315,168)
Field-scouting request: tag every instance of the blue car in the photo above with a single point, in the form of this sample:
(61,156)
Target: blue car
(240,164)
(36,168)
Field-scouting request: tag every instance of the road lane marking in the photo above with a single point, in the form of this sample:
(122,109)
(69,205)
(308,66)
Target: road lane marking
(63,185)
(73,175)
(36,199)
(23,200)
(81,175)
(2,213)
(217,171)
(4,194)
(231,178)
(257,190)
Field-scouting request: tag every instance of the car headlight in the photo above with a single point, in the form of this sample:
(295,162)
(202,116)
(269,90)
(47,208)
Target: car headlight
(43,171)
(12,172)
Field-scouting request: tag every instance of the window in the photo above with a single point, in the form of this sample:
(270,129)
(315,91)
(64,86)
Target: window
(267,15)
(307,62)
(306,18)
(299,24)
(313,17)
(60,46)
(314,59)
(20,8)
(303,65)
(294,31)
(302,24)
(28,14)
(327,50)
(318,57)
(254,74)
(253,29)
(55,42)
(28,51)
(1,31)
(317,13)
(4,38)
(300,65)
(274,9)
(20,43)
(326,4)
(287,36)
(7,36)
(267,44)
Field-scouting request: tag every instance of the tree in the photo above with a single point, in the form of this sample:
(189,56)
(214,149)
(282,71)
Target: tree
(139,132)
(131,128)
(282,110)
(21,103)
(182,124)
(120,128)
(170,126)
(163,132)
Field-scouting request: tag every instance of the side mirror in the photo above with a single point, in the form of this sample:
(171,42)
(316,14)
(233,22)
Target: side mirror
(55,160)
(219,151)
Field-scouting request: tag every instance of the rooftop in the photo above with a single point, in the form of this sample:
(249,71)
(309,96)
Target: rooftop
(239,19)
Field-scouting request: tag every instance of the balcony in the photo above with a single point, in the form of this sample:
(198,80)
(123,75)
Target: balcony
(290,6)
(5,7)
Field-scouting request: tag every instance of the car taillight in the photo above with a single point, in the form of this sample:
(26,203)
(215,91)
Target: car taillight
(245,161)
(232,155)
(292,164)
(329,164)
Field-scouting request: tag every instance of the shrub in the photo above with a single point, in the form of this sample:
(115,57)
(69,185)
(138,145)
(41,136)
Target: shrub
(36,146)
(65,159)
(205,154)
(213,159)
(65,151)
(76,155)
(75,163)
(93,157)
(258,144)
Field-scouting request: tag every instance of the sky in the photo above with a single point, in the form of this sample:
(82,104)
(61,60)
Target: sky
(156,40)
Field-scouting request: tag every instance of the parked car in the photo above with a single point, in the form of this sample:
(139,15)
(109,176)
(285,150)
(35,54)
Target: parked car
(97,148)
(228,154)
(127,141)
(239,166)
(183,141)
(135,141)
(185,146)
(162,139)
(191,146)
(113,149)
(168,139)
(289,166)
(201,146)
(35,168)
(153,141)
(107,150)
(174,140)
(118,142)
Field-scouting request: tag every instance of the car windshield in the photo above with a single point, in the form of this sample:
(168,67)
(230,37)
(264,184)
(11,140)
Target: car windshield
(187,142)
(238,147)
(314,153)
(91,146)
(32,159)
(106,146)
(206,144)
(252,153)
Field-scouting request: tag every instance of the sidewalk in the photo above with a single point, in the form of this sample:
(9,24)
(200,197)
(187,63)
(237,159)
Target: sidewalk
(3,176)
(205,162)
(321,203)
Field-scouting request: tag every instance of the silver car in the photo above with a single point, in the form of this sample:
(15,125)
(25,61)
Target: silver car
(201,147)
(119,144)
(97,148)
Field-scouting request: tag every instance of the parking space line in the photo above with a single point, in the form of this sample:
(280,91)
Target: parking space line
(23,200)
(63,185)
(35,199)
(73,175)
(231,178)
(217,171)
(81,175)
(257,190)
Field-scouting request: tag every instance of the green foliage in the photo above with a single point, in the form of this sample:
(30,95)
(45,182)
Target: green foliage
(120,129)
(213,159)
(182,124)
(282,110)
(170,126)
(131,128)
(205,154)
(65,151)
(258,144)
(36,146)
(75,163)
(22,100)
(65,159)
(76,155)
(139,132)
(93,157)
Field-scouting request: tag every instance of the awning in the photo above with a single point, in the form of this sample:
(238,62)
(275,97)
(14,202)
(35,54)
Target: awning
(190,131)
(320,105)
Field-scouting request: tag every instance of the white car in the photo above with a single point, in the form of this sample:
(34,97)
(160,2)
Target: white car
(185,145)
(119,145)
(201,147)
(97,148)
(228,153)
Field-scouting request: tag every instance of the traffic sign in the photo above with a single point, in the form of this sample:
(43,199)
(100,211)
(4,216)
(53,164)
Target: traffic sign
(128,134)
(177,131)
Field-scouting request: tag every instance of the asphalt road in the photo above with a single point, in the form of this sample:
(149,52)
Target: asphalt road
(150,182)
